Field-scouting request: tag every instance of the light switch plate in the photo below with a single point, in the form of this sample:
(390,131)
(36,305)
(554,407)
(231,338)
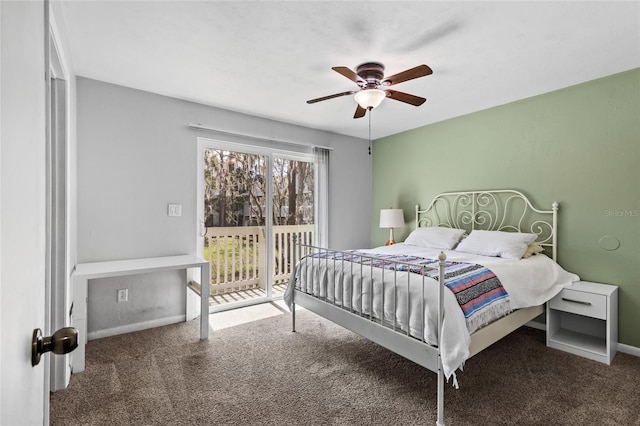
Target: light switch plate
(174,210)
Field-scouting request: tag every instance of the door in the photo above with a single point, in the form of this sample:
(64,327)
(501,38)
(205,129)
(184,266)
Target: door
(293,197)
(251,202)
(235,222)
(22,210)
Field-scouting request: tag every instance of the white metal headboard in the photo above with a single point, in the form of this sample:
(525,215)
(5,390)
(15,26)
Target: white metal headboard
(495,210)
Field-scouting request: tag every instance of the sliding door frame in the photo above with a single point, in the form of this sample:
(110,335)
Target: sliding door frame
(269,154)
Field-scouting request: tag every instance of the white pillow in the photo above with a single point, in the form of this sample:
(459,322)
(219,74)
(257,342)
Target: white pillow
(435,237)
(508,245)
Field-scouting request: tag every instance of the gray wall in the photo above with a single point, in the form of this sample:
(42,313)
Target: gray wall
(135,155)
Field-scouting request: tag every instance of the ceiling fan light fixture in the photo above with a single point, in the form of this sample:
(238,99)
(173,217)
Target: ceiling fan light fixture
(370,98)
(372,85)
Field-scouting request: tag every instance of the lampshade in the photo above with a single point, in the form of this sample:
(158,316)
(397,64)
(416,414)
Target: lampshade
(391,218)
(370,98)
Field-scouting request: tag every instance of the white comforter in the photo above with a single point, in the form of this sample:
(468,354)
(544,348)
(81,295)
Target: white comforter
(529,282)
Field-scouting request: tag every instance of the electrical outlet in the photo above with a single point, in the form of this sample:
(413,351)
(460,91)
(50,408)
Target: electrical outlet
(123,295)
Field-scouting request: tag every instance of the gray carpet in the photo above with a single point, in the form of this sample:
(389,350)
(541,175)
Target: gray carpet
(260,373)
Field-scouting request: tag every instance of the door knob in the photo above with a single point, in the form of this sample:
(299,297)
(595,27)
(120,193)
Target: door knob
(61,342)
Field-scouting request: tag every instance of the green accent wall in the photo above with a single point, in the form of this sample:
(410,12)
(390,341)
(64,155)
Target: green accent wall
(579,146)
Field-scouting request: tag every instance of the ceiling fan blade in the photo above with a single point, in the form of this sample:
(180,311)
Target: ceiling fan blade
(360,112)
(347,72)
(405,97)
(337,95)
(415,72)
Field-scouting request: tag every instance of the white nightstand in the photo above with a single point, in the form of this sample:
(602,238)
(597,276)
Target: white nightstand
(583,319)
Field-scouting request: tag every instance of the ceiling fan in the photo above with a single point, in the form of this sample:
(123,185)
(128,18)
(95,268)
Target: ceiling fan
(374,86)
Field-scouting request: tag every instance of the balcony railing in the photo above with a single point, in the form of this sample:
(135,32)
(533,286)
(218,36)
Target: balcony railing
(236,255)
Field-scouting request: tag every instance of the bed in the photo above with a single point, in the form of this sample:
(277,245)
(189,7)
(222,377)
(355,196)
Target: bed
(391,295)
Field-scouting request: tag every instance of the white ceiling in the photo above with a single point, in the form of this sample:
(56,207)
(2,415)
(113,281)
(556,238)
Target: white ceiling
(267,58)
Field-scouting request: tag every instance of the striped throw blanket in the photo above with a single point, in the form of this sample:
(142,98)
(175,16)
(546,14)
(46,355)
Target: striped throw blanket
(477,289)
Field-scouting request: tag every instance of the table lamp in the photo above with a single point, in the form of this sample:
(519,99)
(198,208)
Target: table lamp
(391,218)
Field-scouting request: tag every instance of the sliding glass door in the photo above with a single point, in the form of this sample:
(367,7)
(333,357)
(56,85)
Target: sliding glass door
(234,208)
(251,202)
(293,212)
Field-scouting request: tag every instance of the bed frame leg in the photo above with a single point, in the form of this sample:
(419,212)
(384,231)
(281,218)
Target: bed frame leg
(293,317)
(440,420)
(441,264)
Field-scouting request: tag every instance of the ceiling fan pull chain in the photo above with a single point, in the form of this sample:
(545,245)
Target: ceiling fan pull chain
(370,111)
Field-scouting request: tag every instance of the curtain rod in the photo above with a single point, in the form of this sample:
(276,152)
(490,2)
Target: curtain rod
(255,138)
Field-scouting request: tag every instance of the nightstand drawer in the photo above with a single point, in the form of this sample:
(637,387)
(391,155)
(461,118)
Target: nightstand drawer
(581,303)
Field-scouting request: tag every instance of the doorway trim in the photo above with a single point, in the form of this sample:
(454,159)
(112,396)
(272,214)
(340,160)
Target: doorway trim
(58,269)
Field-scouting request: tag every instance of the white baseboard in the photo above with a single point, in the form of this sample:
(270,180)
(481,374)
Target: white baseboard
(134,327)
(627,349)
